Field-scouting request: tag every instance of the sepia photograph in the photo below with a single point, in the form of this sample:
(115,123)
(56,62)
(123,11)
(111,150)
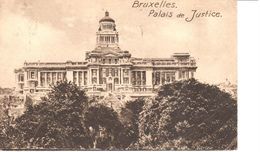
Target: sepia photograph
(118,75)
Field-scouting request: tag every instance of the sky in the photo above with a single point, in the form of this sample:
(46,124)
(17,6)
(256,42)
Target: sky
(61,30)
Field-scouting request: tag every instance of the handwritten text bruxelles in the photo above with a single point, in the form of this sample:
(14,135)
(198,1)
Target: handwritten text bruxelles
(165,9)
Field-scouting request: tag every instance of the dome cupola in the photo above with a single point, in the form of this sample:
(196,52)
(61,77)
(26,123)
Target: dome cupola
(107,35)
(107,18)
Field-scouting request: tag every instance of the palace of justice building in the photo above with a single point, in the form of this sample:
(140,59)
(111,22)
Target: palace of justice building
(107,69)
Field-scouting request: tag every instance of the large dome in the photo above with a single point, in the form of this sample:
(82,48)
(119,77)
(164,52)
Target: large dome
(107,18)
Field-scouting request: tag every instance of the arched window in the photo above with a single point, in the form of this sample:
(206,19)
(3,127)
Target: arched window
(112,39)
(101,38)
(116,81)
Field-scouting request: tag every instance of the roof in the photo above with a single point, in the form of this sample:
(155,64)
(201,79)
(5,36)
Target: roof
(107,18)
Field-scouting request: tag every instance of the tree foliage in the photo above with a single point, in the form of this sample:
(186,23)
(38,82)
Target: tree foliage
(130,118)
(4,121)
(62,121)
(104,127)
(185,115)
(188,115)
(53,123)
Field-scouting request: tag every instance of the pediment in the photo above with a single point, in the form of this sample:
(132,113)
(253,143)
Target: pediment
(111,54)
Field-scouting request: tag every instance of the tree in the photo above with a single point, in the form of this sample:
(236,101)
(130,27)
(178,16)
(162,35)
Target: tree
(67,119)
(104,127)
(5,120)
(54,123)
(129,116)
(188,115)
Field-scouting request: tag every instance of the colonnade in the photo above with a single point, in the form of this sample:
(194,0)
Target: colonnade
(47,78)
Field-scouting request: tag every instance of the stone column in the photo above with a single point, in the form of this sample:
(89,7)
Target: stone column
(177,73)
(45,78)
(69,75)
(159,76)
(165,78)
(77,79)
(171,74)
(129,76)
(80,80)
(89,77)
(39,78)
(136,75)
(161,80)
(56,77)
(141,78)
(149,77)
(25,79)
(97,70)
(51,74)
(191,74)
(122,76)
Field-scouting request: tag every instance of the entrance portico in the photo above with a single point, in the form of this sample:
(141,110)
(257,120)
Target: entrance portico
(110,87)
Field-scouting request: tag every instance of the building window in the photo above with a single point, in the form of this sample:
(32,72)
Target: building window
(133,78)
(85,77)
(126,80)
(116,72)
(183,74)
(107,72)
(116,81)
(187,74)
(138,78)
(109,61)
(94,72)
(42,78)
(126,72)
(80,78)
(59,76)
(94,80)
(48,77)
(21,78)
(64,76)
(74,77)
(113,39)
(54,77)
(157,78)
(168,78)
(173,76)
(21,86)
(106,38)
(110,72)
(103,72)
(192,75)
(113,72)
(104,80)
(143,78)
(32,75)
(116,61)
(163,78)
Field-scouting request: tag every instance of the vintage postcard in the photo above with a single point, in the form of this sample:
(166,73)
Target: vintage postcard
(118,75)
